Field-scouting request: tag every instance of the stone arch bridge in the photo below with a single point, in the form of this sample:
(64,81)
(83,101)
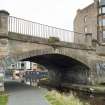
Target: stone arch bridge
(66,61)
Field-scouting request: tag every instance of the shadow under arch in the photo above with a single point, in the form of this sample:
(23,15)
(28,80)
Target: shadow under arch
(63,69)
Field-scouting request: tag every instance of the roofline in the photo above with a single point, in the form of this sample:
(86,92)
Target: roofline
(86,7)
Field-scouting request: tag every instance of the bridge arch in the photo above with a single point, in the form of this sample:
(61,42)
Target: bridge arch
(62,67)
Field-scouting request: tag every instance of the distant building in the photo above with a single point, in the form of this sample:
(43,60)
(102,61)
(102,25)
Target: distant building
(90,19)
(26,65)
(22,65)
(18,70)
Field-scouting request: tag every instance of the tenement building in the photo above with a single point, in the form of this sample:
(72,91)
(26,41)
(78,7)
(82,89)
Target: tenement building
(90,21)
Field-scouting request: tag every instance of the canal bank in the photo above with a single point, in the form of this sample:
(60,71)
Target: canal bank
(94,95)
(96,89)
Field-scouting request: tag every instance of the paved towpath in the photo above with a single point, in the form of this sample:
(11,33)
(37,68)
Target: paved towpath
(20,94)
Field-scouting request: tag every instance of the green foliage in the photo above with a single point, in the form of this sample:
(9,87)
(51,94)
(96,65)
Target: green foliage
(60,99)
(3,99)
(1,78)
(53,39)
(41,67)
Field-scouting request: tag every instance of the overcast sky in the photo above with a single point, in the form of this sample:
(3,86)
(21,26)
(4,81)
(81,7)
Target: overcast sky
(58,13)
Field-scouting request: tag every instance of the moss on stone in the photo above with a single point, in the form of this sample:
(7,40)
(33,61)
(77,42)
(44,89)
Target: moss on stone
(53,39)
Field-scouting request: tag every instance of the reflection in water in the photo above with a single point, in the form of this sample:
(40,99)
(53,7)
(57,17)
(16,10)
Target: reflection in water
(93,99)
(85,97)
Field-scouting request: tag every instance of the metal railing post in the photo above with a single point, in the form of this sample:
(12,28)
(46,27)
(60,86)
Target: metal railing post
(25,27)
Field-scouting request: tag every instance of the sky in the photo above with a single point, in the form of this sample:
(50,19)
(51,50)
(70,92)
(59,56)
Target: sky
(57,13)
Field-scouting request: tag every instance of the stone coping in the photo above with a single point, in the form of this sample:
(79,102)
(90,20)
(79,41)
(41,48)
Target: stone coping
(33,39)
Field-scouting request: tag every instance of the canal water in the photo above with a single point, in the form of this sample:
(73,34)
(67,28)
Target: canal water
(86,97)
(92,99)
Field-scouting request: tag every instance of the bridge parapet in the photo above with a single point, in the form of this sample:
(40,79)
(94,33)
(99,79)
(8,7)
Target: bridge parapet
(25,27)
(22,27)
(33,39)
(100,50)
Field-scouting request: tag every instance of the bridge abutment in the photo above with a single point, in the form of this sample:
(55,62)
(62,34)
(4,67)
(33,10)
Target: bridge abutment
(77,74)
(4,45)
(97,71)
(4,49)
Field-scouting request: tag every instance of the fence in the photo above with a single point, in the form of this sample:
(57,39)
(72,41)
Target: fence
(26,27)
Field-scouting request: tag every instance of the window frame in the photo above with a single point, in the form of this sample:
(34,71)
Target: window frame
(103,10)
(85,29)
(85,19)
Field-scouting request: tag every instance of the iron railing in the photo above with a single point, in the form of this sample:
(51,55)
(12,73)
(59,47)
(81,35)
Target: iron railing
(26,27)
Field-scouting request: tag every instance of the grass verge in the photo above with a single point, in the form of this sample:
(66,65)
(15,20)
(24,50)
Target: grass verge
(56,98)
(3,98)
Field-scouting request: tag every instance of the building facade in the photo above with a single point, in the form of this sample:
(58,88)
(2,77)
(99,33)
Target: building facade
(23,65)
(26,65)
(90,19)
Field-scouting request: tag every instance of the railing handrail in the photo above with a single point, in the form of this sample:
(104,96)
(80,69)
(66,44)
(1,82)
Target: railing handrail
(46,25)
(27,27)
